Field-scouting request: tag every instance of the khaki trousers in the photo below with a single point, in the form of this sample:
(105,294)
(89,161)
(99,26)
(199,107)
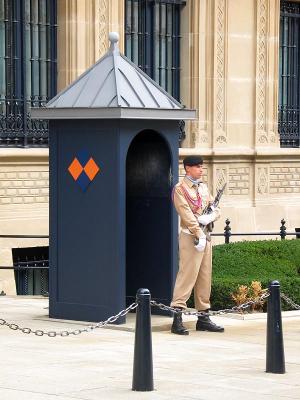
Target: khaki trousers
(195,270)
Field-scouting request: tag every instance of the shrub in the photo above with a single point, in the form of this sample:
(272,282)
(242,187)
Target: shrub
(240,263)
(245,294)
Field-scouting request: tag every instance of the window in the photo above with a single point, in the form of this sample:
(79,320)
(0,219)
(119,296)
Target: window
(289,74)
(152,40)
(27,68)
(32,270)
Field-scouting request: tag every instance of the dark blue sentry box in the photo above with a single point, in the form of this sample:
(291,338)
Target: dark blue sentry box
(113,162)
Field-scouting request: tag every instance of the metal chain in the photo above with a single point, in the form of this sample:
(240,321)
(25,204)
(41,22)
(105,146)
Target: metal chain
(89,328)
(289,301)
(153,303)
(241,307)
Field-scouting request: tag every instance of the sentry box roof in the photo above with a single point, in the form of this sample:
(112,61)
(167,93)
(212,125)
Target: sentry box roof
(113,88)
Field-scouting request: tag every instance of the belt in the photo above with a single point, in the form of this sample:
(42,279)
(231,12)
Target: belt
(184,230)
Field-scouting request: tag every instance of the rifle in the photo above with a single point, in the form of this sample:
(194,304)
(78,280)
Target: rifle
(209,209)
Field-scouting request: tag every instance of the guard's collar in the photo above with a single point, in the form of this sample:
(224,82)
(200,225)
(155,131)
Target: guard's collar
(190,181)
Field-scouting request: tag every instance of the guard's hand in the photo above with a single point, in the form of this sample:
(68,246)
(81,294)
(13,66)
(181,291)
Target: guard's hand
(206,219)
(217,211)
(201,244)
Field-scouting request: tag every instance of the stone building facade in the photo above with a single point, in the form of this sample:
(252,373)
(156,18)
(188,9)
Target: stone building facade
(229,66)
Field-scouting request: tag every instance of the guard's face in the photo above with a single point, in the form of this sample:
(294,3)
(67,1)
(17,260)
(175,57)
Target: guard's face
(195,171)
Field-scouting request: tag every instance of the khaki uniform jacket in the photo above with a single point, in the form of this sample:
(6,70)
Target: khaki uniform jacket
(185,202)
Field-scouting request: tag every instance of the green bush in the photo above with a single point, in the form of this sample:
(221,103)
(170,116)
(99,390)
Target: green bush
(241,263)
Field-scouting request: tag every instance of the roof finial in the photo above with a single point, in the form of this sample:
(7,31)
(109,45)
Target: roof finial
(113,38)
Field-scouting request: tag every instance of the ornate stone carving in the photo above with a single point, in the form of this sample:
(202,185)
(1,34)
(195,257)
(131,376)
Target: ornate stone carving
(221,177)
(194,128)
(194,132)
(262,181)
(220,67)
(263,139)
(103,28)
(261,66)
(204,138)
(221,139)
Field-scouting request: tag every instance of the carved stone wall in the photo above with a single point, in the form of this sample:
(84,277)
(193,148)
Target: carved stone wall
(83,34)
(18,186)
(190,66)
(285,179)
(219,72)
(262,186)
(239,180)
(237,124)
(103,26)
(221,178)
(267,18)
(277,180)
(261,65)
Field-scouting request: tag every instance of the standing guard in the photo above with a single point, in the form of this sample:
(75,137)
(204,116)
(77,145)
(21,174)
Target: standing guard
(191,197)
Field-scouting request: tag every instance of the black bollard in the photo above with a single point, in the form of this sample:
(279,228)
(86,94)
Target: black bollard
(275,350)
(142,364)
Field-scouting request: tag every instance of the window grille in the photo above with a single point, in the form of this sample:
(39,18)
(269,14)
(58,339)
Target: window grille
(33,276)
(152,40)
(27,69)
(289,74)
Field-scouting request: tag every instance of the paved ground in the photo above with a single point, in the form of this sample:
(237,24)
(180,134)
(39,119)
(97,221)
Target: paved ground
(98,365)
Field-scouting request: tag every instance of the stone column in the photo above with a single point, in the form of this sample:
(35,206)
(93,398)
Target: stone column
(267,59)
(116,19)
(196,70)
(219,73)
(83,27)
(77,39)
(111,19)
(189,58)
(266,137)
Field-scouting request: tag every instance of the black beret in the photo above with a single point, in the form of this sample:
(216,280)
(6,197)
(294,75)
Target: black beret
(192,160)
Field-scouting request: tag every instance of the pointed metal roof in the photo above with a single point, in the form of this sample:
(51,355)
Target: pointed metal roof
(114,87)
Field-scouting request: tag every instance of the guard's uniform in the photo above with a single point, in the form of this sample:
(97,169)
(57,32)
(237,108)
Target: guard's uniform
(195,267)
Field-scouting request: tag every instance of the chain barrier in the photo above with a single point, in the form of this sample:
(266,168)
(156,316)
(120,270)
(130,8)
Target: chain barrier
(289,301)
(234,309)
(89,328)
(258,301)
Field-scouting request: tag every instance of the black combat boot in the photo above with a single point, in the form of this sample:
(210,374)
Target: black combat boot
(204,323)
(177,326)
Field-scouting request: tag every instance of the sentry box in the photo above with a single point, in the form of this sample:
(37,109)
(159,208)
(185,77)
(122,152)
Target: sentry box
(113,162)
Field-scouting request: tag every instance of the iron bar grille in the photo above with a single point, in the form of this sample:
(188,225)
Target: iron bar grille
(27,69)
(289,74)
(32,278)
(152,40)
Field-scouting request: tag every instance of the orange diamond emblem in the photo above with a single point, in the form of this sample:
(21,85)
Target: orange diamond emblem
(75,169)
(91,169)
